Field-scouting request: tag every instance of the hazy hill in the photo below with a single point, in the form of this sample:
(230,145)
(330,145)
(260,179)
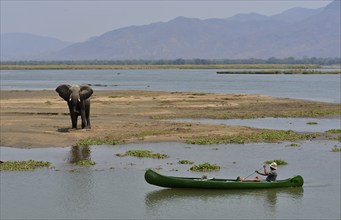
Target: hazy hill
(15,46)
(296,33)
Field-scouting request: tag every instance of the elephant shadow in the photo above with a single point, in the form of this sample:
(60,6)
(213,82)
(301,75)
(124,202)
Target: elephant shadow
(66,130)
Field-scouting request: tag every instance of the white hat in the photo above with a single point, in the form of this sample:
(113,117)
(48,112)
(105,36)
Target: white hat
(273,165)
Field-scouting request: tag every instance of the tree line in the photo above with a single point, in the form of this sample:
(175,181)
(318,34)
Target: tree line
(180,61)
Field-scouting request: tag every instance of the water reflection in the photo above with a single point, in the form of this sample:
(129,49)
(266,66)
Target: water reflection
(79,153)
(175,198)
(76,192)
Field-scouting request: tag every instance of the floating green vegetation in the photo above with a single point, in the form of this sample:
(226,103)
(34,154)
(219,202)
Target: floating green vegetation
(85,163)
(97,141)
(23,165)
(185,162)
(312,123)
(279,162)
(143,154)
(205,167)
(334,131)
(293,145)
(268,136)
(336,149)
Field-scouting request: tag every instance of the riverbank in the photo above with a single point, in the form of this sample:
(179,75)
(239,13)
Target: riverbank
(40,118)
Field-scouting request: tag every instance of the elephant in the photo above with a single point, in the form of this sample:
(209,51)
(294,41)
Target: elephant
(78,100)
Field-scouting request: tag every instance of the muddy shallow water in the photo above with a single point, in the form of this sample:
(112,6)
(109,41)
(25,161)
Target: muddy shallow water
(115,188)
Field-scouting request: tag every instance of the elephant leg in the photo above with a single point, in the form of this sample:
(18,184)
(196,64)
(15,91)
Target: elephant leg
(87,113)
(84,122)
(73,116)
(83,115)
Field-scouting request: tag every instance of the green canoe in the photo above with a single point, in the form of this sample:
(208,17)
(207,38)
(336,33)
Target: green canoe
(157,179)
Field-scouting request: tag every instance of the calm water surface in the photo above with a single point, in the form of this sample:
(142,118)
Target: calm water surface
(294,124)
(115,187)
(324,88)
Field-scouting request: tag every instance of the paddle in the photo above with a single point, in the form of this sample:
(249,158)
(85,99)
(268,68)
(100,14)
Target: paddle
(254,172)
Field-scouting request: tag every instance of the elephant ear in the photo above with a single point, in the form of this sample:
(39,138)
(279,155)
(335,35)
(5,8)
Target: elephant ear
(85,92)
(63,91)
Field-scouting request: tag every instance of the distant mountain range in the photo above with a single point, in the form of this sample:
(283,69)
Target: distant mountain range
(297,32)
(22,46)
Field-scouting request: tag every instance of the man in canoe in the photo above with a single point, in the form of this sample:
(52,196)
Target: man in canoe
(270,176)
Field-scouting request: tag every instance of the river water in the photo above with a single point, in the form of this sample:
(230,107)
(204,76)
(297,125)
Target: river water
(325,88)
(114,188)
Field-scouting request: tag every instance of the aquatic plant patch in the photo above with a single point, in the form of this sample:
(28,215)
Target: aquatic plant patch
(268,136)
(144,154)
(335,131)
(185,162)
(85,163)
(312,123)
(23,165)
(279,162)
(334,134)
(336,149)
(205,167)
(97,141)
(293,145)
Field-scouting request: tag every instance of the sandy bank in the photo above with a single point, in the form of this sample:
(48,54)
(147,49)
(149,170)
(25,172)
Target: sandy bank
(40,118)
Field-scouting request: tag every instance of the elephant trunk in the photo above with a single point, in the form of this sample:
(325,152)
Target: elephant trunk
(74,101)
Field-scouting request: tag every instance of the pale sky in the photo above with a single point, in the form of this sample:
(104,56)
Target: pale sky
(78,20)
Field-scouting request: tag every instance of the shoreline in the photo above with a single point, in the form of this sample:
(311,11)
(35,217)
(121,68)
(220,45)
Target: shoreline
(39,118)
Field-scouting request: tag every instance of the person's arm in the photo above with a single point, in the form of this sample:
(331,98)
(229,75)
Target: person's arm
(265,172)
